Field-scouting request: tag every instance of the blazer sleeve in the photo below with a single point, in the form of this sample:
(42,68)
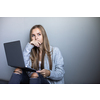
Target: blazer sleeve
(59,72)
(26,54)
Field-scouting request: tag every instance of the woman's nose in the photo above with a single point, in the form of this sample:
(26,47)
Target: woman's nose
(36,37)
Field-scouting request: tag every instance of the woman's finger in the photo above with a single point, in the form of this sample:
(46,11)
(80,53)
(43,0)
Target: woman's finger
(40,71)
(39,42)
(44,76)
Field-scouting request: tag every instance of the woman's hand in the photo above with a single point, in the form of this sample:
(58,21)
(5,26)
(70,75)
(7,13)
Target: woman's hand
(44,72)
(35,43)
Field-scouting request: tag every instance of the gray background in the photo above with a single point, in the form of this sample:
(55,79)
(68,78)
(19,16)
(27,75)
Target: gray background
(78,39)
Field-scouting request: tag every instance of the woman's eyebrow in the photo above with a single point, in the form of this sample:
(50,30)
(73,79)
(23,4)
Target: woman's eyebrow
(38,33)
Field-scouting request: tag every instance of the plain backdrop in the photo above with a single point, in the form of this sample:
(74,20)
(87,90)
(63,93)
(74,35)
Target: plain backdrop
(78,39)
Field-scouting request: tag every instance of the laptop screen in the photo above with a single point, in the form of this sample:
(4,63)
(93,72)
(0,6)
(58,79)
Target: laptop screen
(14,54)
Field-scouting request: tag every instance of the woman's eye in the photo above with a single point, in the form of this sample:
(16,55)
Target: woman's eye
(33,35)
(39,34)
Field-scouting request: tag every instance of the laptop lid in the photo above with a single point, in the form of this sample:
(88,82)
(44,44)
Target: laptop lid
(14,54)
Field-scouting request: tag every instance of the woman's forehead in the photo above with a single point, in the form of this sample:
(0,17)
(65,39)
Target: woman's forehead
(36,30)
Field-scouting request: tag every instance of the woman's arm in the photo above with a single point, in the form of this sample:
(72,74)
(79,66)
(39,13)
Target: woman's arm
(59,71)
(26,54)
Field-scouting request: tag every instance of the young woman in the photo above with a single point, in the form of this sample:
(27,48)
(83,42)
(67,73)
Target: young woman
(47,60)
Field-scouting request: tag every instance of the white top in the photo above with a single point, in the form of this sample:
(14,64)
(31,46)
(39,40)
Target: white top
(39,65)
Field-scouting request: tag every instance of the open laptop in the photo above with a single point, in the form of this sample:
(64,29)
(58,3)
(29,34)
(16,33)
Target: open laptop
(14,55)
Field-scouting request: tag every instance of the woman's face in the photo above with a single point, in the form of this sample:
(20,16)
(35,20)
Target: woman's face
(37,35)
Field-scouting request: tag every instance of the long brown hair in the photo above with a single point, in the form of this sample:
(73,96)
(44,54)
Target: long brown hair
(35,50)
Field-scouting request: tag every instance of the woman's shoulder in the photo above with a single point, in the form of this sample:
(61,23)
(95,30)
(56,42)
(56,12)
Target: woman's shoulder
(54,49)
(56,52)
